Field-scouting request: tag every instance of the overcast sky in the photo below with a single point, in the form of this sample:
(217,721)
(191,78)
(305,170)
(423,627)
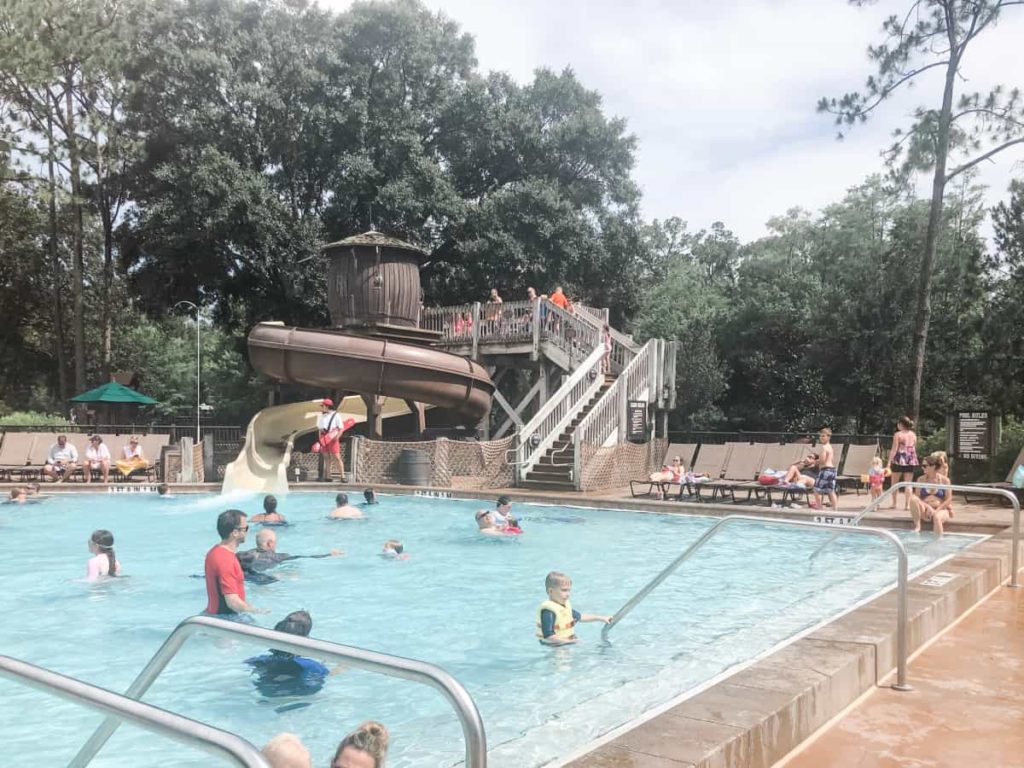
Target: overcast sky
(721,94)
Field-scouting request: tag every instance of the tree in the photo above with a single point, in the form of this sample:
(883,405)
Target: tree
(935,34)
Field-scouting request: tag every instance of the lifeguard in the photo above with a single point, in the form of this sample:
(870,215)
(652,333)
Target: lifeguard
(331,427)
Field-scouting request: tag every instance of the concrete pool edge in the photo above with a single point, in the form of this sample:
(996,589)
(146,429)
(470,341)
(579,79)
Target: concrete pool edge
(755,717)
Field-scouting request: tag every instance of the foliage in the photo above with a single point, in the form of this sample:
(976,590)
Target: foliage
(32,419)
(965,128)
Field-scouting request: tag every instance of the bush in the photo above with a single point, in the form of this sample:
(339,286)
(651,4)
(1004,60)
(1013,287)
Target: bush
(33,419)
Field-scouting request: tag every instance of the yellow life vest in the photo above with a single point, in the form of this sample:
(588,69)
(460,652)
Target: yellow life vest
(564,621)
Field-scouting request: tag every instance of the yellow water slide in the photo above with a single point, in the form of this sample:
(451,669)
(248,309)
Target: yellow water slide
(262,464)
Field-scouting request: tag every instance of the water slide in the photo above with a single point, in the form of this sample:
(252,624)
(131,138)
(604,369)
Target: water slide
(335,360)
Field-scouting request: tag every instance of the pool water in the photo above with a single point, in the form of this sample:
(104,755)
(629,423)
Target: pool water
(462,601)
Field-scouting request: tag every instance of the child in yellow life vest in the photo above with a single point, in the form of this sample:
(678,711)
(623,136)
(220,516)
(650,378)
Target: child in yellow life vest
(555,616)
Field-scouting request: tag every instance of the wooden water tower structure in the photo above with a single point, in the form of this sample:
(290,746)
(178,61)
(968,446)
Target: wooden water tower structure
(373,287)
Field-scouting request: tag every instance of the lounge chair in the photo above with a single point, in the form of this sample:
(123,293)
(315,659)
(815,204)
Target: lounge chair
(683,450)
(14,455)
(856,464)
(739,474)
(1006,484)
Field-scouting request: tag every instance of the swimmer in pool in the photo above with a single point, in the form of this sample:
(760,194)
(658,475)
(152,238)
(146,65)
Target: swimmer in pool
(502,515)
(18,495)
(270,514)
(485,524)
(280,673)
(265,556)
(163,489)
(394,550)
(556,618)
(344,510)
(103,562)
(369,496)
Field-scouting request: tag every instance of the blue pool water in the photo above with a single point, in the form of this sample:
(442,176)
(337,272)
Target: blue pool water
(464,602)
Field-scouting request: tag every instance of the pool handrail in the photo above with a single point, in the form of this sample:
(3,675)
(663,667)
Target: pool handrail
(889,492)
(182,729)
(371,661)
(901,587)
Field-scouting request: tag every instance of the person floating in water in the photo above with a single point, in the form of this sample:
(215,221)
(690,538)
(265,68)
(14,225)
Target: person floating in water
(103,562)
(265,556)
(18,495)
(280,673)
(270,515)
(370,496)
(556,618)
(395,550)
(225,583)
(343,510)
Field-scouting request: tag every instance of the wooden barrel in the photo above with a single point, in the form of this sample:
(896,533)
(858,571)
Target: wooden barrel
(373,280)
(413,467)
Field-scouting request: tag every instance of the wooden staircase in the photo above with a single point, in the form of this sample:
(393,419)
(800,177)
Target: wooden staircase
(553,472)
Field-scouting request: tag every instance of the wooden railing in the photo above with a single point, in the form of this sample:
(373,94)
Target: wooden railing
(639,380)
(515,322)
(540,432)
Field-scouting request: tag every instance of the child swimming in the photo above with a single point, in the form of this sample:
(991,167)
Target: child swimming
(556,618)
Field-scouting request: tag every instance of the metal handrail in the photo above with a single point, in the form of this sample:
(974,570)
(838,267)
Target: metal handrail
(215,741)
(901,603)
(875,503)
(372,661)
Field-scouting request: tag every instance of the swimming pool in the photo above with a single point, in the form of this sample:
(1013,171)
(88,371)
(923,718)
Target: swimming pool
(462,601)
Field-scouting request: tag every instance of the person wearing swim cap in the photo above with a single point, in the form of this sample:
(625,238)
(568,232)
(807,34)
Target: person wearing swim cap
(270,515)
(280,673)
(265,556)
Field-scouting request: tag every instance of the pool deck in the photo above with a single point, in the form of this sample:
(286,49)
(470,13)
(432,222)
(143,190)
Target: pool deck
(960,714)
(762,713)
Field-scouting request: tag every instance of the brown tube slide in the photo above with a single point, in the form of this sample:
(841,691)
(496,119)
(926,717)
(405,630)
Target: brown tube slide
(372,366)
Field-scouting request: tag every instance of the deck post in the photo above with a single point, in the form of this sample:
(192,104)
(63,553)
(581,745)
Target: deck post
(476,330)
(535,353)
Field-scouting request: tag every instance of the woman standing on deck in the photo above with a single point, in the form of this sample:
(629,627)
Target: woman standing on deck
(903,457)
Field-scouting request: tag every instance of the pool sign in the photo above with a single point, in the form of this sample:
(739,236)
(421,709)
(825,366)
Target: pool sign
(636,421)
(131,489)
(974,435)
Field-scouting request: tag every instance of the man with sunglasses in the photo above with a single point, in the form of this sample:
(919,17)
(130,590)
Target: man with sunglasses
(225,583)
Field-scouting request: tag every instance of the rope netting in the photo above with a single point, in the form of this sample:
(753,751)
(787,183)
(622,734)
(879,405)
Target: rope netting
(453,464)
(616,465)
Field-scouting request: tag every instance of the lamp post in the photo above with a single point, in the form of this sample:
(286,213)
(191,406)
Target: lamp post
(196,308)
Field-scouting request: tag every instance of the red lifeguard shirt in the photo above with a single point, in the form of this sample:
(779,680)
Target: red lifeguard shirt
(223,577)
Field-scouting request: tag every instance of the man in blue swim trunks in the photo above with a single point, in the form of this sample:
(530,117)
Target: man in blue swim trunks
(280,673)
(826,480)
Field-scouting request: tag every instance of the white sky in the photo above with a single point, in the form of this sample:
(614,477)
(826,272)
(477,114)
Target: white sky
(721,95)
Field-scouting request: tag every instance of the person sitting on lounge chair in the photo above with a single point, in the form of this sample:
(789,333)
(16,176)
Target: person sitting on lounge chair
(97,460)
(802,473)
(668,474)
(132,458)
(61,461)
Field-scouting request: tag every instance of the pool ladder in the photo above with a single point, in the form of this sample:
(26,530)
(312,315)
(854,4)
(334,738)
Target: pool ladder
(130,707)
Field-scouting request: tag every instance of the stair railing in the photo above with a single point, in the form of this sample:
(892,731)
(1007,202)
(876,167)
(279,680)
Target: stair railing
(639,380)
(372,661)
(539,433)
(190,732)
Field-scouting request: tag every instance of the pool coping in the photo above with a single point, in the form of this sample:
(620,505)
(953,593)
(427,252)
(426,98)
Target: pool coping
(755,716)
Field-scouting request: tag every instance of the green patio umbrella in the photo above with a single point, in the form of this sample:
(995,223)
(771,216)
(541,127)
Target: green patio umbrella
(112,392)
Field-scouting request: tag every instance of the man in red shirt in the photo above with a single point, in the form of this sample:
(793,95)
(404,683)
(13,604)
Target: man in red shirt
(225,583)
